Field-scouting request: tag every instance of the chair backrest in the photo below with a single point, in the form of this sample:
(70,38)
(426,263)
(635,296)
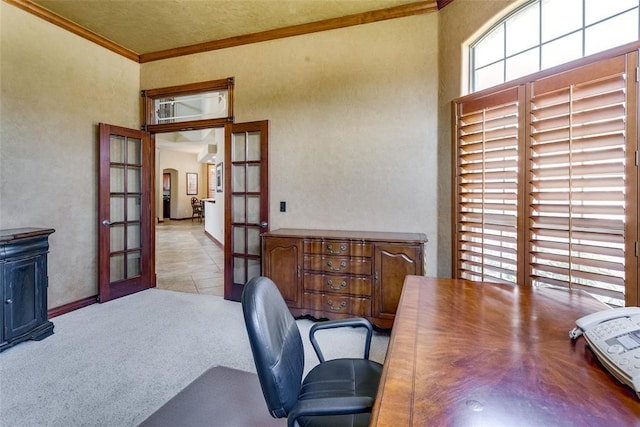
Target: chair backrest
(275,343)
(195,203)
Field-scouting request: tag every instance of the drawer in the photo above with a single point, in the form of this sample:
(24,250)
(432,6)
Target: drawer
(358,286)
(334,264)
(337,247)
(338,304)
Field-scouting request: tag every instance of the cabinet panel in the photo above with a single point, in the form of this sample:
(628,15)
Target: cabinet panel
(281,263)
(23,310)
(393,263)
(358,286)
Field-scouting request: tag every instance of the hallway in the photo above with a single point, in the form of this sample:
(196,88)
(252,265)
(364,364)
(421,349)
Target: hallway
(187,260)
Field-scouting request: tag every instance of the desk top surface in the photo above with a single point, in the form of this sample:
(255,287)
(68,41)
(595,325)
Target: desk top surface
(478,354)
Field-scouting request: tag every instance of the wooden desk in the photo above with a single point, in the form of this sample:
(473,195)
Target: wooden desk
(477,354)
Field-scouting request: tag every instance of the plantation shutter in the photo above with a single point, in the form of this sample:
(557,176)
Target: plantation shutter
(579,150)
(486,187)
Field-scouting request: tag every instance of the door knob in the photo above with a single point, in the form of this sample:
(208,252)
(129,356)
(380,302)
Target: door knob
(264,224)
(106,222)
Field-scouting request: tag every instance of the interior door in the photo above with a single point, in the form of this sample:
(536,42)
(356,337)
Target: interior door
(126,246)
(246,187)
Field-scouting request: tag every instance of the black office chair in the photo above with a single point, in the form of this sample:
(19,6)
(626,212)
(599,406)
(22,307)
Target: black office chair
(338,392)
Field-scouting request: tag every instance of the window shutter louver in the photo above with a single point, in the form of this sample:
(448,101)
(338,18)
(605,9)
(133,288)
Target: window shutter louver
(546,184)
(577,179)
(487,188)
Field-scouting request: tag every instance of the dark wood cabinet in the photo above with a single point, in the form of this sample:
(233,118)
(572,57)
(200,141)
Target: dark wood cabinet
(338,274)
(23,285)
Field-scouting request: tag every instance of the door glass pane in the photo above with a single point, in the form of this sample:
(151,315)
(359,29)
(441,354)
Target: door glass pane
(254,241)
(560,18)
(519,40)
(614,32)
(253,178)
(490,48)
(254,268)
(133,264)
(116,149)
(238,149)
(253,146)
(238,209)
(133,208)
(253,209)
(133,236)
(238,178)
(239,275)
(134,184)
(238,240)
(134,150)
(116,179)
(562,50)
(116,268)
(116,238)
(116,209)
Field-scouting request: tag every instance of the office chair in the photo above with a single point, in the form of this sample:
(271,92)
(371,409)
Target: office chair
(338,392)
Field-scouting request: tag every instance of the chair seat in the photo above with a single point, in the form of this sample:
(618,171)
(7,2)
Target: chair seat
(341,378)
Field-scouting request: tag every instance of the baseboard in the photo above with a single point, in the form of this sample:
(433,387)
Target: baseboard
(66,308)
(214,240)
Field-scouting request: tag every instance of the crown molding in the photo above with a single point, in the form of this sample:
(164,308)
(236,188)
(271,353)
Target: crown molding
(295,30)
(76,29)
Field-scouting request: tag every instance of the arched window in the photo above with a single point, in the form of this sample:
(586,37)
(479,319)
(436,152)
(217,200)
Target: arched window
(544,33)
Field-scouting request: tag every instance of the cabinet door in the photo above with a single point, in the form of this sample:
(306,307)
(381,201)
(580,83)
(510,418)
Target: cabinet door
(392,263)
(23,308)
(282,259)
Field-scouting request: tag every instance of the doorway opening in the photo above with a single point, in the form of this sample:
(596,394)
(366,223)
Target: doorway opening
(189,253)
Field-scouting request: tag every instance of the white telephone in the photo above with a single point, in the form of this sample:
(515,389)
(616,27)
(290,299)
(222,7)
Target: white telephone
(614,337)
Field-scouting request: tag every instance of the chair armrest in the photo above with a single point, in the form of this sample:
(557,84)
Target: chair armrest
(329,406)
(354,322)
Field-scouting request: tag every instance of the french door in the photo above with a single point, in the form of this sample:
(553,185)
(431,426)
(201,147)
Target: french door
(247,203)
(126,246)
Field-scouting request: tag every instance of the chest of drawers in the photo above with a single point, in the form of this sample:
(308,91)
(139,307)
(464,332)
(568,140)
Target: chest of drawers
(337,274)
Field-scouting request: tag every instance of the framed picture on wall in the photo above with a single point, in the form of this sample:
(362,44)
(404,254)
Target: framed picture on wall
(219,177)
(192,183)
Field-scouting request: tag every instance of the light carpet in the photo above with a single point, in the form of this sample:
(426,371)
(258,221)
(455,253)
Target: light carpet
(114,364)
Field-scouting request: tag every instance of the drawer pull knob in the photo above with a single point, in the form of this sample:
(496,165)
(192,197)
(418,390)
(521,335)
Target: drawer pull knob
(343,264)
(9,301)
(331,251)
(342,305)
(343,284)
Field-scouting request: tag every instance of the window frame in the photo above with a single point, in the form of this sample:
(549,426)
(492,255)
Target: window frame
(151,95)
(472,80)
(561,73)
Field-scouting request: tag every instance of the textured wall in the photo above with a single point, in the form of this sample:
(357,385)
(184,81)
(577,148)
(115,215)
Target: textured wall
(353,122)
(458,27)
(55,89)
(359,126)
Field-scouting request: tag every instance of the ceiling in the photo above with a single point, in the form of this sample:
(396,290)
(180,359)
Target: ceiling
(144,26)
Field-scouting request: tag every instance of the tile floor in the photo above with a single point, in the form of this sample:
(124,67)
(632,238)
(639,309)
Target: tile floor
(187,260)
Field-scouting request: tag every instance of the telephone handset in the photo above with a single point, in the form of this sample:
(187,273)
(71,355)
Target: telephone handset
(614,337)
